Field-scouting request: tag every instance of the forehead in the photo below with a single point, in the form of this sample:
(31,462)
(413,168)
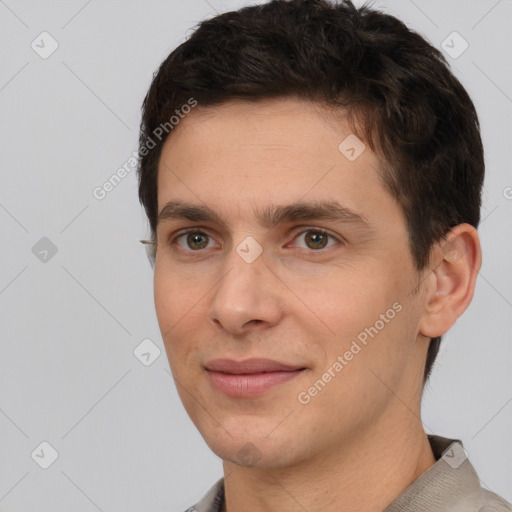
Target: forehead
(268,153)
(279,122)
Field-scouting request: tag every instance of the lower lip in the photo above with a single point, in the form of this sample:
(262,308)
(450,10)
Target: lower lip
(248,385)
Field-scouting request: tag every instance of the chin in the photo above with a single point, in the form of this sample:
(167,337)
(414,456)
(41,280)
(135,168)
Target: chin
(250,449)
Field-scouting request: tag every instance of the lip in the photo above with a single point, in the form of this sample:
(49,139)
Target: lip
(254,365)
(251,377)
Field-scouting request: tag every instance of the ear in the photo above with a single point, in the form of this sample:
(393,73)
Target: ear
(449,287)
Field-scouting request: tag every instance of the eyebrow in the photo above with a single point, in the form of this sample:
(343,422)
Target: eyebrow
(270,216)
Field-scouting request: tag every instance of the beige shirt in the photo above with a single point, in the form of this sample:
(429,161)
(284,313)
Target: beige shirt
(450,485)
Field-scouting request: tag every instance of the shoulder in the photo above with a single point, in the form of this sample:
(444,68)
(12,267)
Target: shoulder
(479,501)
(450,485)
(212,501)
(491,502)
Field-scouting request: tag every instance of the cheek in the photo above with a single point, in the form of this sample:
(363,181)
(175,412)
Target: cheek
(347,300)
(369,316)
(176,297)
(180,305)
(172,313)
(165,303)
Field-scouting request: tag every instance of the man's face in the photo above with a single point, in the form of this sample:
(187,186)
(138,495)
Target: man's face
(339,305)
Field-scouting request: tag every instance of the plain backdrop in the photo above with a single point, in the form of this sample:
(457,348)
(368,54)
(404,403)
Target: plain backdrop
(76,287)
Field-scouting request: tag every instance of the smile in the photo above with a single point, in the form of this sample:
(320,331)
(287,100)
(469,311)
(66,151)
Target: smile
(249,385)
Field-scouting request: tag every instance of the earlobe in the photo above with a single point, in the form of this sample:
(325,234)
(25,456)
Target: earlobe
(456,262)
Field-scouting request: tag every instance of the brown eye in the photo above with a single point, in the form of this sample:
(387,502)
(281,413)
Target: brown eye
(197,240)
(316,239)
(194,240)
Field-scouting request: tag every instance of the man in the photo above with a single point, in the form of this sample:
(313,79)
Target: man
(312,175)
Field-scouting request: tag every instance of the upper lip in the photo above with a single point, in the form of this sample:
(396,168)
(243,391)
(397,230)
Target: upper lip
(255,365)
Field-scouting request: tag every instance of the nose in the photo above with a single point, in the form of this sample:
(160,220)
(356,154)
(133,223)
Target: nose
(247,296)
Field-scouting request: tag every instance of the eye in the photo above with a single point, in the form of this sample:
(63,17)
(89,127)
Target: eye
(195,240)
(316,239)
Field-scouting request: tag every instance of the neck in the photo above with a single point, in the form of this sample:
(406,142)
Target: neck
(368,472)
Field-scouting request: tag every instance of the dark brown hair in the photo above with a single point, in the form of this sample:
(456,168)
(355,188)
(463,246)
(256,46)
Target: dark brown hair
(410,107)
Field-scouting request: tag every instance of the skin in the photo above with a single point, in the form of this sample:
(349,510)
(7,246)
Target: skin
(359,442)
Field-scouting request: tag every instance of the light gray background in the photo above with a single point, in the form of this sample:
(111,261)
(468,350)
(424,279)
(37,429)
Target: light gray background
(69,325)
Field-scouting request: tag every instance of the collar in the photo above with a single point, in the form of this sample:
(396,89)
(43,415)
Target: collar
(449,480)
(450,484)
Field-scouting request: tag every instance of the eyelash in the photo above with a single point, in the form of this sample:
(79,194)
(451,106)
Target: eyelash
(174,240)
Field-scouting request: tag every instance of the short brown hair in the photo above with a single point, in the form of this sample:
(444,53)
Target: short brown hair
(412,109)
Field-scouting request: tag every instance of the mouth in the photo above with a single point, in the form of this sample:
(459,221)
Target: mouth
(251,377)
